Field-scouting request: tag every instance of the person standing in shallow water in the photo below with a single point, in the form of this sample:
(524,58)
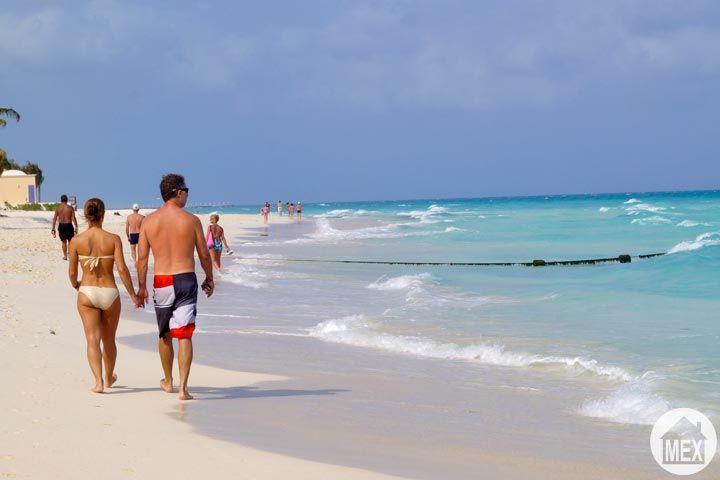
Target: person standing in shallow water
(216,237)
(67,227)
(173,235)
(98,302)
(279,208)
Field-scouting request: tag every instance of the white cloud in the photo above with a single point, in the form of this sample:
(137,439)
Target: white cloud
(51,35)
(379,54)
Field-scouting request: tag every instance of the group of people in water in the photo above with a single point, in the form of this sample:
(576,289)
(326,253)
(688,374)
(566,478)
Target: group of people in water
(291,209)
(173,235)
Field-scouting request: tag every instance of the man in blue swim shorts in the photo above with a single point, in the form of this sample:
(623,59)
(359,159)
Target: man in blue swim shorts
(132,229)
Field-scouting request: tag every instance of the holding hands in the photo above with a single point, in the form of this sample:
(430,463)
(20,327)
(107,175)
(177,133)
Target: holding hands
(140,297)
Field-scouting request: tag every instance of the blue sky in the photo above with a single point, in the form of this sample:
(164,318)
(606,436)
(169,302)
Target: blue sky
(348,100)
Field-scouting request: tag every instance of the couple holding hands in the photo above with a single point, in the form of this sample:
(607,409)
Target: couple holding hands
(173,235)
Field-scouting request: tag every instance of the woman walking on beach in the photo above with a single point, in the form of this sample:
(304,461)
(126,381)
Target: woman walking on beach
(215,240)
(98,300)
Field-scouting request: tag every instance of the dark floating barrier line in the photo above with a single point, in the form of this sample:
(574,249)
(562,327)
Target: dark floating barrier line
(535,263)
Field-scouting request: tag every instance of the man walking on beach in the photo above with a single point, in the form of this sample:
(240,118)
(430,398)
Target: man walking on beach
(132,230)
(173,235)
(67,227)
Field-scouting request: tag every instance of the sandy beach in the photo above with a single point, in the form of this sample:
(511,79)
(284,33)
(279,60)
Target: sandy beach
(53,427)
(296,409)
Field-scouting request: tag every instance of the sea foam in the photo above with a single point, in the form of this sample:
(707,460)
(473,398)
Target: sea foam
(634,402)
(638,208)
(655,220)
(690,223)
(708,239)
(343,213)
(403,282)
(358,331)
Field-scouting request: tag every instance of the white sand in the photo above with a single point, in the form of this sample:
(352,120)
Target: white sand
(54,427)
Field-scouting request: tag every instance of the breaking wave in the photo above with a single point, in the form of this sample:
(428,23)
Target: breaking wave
(651,220)
(634,402)
(638,208)
(343,213)
(690,223)
(709,239)
(356,330)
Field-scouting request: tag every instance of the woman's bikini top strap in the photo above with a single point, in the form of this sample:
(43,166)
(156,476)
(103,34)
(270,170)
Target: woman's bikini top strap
(92,262)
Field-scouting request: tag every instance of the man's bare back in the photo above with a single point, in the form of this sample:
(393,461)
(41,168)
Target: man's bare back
(134,220)
(64,213)
(173,235)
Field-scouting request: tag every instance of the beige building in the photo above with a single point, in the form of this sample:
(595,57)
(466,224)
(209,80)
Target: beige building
(18,187)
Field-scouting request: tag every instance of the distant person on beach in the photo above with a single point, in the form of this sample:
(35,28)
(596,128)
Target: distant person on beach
(265,211)
(173,235)
(280,208)
(215,239)
(132,229)
(287,208)
(292,210)
(98,300)
(299,211)
(65,217)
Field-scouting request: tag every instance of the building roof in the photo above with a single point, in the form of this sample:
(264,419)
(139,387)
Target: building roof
(13,173)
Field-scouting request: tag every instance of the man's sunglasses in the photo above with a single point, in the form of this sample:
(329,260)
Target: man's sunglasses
(183,189)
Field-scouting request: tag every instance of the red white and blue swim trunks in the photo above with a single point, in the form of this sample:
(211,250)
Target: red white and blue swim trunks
(175,299)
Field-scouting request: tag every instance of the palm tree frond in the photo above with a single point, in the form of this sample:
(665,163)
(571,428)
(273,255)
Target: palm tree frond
(9,113)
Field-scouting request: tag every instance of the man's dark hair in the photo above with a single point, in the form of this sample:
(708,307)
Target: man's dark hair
(63,198)
(170,185)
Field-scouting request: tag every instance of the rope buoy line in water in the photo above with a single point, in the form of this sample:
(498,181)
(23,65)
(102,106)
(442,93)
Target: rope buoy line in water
(535,263)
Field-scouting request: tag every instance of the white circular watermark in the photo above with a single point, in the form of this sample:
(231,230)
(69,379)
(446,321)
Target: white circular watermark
(683,441)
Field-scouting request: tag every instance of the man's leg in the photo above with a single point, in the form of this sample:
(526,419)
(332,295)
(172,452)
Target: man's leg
(165,347)
(64,249)
(133,253)
(185,356)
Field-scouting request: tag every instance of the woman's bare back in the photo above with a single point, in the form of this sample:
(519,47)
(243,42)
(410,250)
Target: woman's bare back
(94,243)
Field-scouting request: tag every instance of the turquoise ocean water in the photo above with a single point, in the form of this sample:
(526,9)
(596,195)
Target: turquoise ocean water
(646,333)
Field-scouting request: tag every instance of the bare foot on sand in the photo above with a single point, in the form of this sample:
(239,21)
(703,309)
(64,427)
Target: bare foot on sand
(166,386)
(185,396)
(98,388)
(110,382)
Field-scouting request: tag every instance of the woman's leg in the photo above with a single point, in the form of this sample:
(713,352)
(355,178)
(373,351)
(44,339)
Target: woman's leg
(110,320)
(215,256)
(91,324)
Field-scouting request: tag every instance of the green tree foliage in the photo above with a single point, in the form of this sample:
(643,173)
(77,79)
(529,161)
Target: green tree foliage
(10,164)
(8,113)
(31,168)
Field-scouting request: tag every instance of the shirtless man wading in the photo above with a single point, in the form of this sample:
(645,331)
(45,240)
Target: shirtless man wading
(132,229)
(173,235)
(68,226)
